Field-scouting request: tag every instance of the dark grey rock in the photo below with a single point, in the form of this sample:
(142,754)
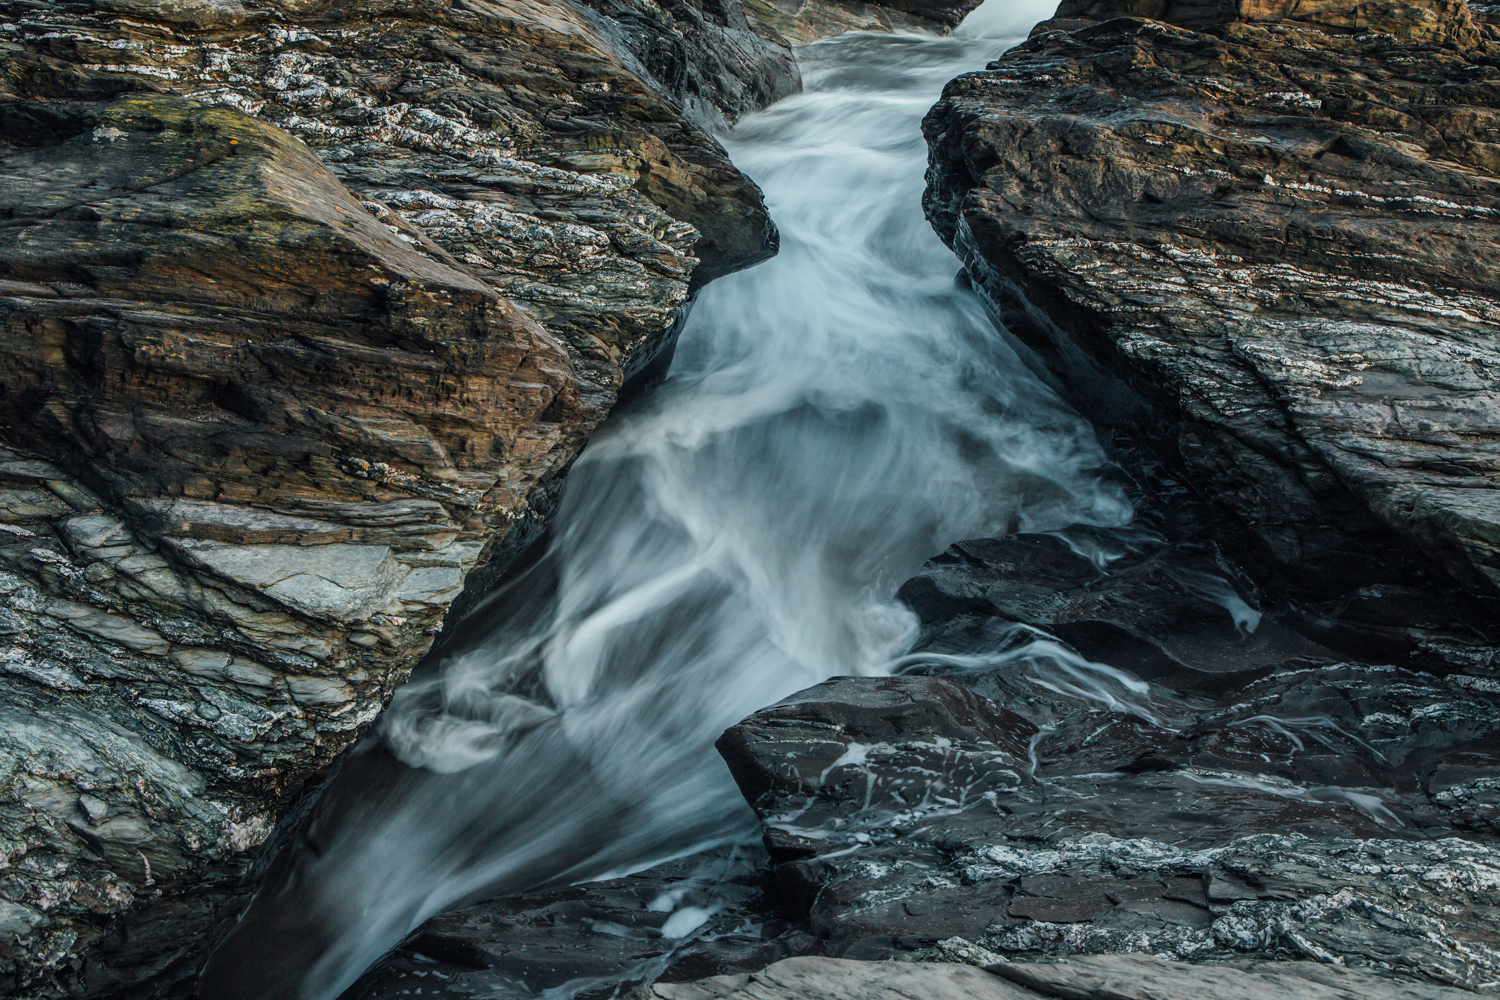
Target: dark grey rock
(680,921)
(1111,977)
(836,979)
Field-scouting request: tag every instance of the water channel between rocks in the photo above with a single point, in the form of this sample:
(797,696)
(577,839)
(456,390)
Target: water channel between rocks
(833,418)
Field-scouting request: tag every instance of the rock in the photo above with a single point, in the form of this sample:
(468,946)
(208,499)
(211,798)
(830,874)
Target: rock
(805,21)
(1259,237)
(1104,741)
(1111,740)
(1108,977)
(905,842)
(307,308)
(679,921)
(1143,977)
(817,978)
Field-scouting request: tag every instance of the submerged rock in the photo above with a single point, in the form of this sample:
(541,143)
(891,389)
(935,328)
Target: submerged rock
(1261,235)
(306,309)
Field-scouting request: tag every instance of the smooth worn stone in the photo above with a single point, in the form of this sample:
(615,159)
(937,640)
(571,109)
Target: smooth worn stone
(1258,235)
(343,582)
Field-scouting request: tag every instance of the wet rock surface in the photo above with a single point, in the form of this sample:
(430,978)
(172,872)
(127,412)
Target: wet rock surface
(253,457)
(805,21)
(1258,234)
(1239,236)
(305,308)
(680,921)
(1271,800)
(1194,771)
(830,977)
(1150,978)
(1139,977)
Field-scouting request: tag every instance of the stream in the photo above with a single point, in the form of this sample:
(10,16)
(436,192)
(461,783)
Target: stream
(832,419)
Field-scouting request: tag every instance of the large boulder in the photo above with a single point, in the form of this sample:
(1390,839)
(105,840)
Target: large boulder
(306,308)
(1337,814)
(1261,236)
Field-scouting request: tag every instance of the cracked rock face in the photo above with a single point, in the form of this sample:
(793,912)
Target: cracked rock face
(305,309)
(898,829)
(1101,746)
(1263,232)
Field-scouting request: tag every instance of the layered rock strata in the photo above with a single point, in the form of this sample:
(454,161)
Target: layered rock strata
(805,21)
(1139,977)
(1263,235)
(1097,749)
(901,816)
(305,307)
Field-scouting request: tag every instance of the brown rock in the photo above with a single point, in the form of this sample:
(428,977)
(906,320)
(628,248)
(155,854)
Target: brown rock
(305,306)
(1263,237)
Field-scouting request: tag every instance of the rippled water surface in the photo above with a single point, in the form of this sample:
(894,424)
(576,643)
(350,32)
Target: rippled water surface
(832,419)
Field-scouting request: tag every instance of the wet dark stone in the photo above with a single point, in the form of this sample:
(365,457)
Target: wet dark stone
(1151,751)
(1103,742)
(599,936)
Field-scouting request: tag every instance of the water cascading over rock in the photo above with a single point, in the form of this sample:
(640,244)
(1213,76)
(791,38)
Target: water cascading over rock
(306,310)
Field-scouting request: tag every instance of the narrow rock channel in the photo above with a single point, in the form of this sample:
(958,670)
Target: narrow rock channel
(833,418)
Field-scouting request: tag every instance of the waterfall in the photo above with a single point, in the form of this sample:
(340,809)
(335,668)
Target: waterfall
(832,419)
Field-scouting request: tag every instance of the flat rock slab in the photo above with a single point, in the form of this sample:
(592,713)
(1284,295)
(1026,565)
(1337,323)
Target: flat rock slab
(1095,977)
(844,979)
(1141,977)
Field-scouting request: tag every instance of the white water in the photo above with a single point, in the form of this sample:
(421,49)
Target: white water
(833,418)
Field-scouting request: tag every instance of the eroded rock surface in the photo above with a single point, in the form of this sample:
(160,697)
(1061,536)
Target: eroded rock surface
(804,21)
(897,838)
(1264,234)
(305,309)
(680,921)
(1145,977)
(1100,746)
(1139,977)
(816,978)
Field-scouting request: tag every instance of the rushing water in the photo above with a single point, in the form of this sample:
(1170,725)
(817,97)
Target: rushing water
(833,418)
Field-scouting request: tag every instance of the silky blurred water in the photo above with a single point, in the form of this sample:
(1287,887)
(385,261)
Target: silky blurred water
(832,419)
